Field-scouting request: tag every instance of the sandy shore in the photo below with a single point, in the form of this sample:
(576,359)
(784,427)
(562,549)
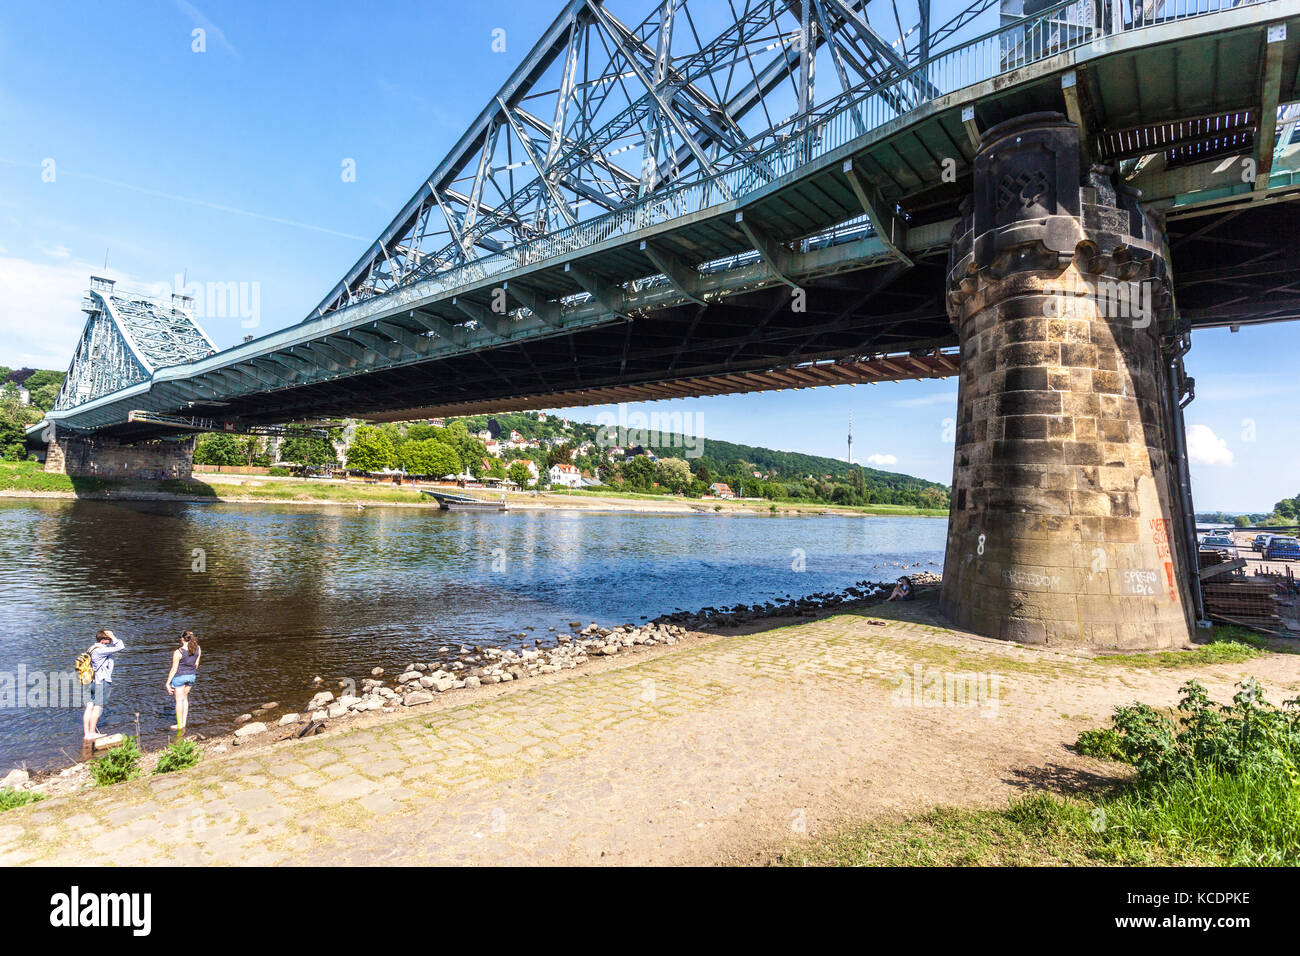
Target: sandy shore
(231,491)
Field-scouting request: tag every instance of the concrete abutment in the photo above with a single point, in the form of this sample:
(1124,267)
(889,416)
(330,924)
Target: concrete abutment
(1066,522)
(88,456)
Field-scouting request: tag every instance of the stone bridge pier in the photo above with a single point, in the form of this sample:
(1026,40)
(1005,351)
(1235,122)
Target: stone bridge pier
(83,456)
(1069,504)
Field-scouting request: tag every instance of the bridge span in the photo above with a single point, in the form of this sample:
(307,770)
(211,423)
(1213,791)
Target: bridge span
(1048,209)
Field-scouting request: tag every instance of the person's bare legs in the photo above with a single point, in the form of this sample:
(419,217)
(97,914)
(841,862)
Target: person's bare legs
(92,722)
(182,706)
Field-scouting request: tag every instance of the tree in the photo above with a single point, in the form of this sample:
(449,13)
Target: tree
(430,457)
(559,455)
(497,468)
(307,450)
(371,450)
(638,473)
(674,474)
(218,448)
(520,474)
(14,419)
(1242,521)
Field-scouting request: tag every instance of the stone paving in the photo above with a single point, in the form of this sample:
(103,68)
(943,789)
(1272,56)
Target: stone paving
(719,750)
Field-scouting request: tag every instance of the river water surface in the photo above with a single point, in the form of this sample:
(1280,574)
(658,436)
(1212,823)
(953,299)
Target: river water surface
(279,594)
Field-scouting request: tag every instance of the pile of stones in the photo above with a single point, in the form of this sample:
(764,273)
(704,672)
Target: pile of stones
(420,682)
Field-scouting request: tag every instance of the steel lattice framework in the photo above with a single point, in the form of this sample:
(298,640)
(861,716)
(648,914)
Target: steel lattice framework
(631,214)
(601,114)
(125,340)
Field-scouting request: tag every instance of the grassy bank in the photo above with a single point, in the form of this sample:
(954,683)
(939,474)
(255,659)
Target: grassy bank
(1203,784)
(28,477)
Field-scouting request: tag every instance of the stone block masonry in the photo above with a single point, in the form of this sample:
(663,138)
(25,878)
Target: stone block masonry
(1064,524)
(96,457)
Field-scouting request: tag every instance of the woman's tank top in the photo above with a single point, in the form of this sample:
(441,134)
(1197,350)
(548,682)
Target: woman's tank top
(189,663)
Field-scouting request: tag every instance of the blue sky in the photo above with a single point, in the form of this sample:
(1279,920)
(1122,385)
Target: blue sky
(224,166)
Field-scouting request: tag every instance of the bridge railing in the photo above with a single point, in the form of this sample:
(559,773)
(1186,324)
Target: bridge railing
(804,139)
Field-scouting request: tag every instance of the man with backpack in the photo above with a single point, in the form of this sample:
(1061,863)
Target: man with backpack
(101,688)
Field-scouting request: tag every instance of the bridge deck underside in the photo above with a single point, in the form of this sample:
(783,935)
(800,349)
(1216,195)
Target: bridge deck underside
(887,309)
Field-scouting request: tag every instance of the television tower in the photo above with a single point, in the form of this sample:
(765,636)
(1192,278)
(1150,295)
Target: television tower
(850,459)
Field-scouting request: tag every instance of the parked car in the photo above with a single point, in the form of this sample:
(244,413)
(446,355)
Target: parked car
(1282,549)
(1259,542)
(1224,545)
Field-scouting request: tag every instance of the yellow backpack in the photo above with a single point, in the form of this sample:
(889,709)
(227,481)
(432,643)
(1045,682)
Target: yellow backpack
(85,670)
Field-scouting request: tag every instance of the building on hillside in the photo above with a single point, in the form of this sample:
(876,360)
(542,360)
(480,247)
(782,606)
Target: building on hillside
(617,452)
(565,475)
(721,489)
(533,473)
(516,437)
(24,396)
(483,434)
(493,447)
(541,416)
(438,422)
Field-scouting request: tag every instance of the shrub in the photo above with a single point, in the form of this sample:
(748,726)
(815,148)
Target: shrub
(1103,743)
(278,472)
(180,755)
(1250,734)
(120,763)
(17,798)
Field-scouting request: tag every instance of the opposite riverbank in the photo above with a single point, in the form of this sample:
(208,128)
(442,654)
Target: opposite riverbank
(26,480)
(754,744)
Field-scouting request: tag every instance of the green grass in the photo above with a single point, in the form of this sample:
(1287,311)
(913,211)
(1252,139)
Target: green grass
(17,798)
(1215,784)
(31,476)
(1229,645)
(1214,819)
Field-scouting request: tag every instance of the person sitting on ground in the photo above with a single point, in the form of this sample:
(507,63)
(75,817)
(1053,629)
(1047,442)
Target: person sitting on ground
(101,688)
(902,590)
(180,679)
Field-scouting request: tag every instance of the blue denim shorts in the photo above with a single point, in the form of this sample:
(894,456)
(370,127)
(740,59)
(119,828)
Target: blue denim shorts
(100,692)
(183,680)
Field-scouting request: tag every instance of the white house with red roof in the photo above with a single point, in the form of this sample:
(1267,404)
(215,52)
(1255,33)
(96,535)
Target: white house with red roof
(567,475)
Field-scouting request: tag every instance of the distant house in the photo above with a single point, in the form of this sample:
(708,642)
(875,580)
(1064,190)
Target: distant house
(533,473)
(493,447)
(565,475)
(616,453)
(516,437)
(541,416)
(721,489)
(437,422)
(24,396)
(483,434)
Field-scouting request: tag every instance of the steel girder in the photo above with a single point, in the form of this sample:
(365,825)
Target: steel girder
(125,340)
(601,114)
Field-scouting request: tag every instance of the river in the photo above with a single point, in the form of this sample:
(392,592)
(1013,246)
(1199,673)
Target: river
(279,594)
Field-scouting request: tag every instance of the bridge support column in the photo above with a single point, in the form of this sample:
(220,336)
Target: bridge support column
(97,457)
(1065,525)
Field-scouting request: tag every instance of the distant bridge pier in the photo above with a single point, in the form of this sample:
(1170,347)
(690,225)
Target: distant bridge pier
(95,456)
(1068,503)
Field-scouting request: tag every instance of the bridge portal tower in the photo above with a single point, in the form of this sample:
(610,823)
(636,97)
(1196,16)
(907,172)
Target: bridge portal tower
(1066,523)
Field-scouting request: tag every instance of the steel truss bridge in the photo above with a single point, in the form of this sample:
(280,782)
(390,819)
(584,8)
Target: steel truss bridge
(730,197)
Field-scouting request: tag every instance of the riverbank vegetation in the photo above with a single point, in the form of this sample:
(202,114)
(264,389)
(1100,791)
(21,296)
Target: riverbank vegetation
(1207,784)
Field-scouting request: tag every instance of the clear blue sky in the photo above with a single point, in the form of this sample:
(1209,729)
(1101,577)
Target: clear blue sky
(225,167)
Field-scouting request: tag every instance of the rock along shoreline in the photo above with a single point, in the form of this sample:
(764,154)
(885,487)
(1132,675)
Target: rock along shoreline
(462,666)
